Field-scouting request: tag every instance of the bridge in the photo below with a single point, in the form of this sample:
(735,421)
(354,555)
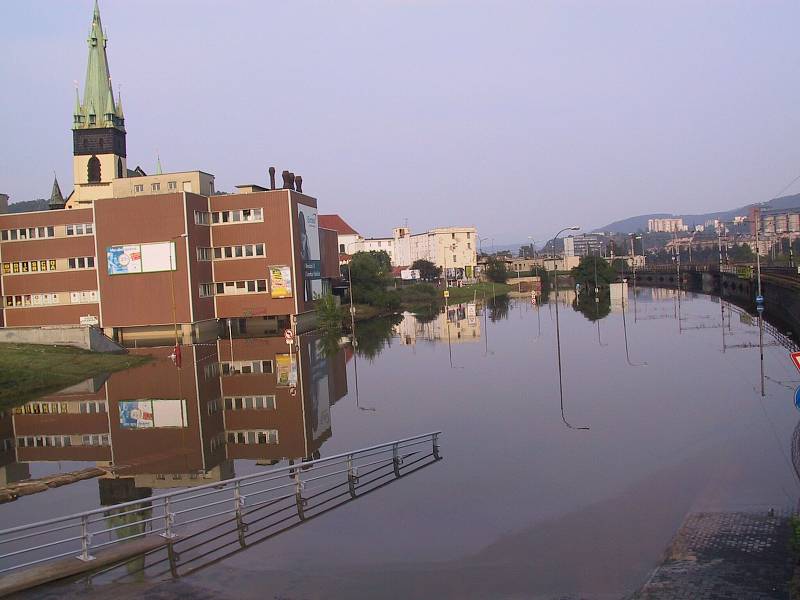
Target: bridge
(737,283)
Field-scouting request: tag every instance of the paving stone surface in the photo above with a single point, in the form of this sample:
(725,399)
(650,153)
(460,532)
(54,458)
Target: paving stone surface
(721,556)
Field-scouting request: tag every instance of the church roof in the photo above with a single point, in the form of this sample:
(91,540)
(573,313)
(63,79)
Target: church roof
(98,94)
(56,198)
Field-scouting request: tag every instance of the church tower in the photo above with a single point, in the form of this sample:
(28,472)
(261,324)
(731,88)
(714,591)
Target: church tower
(98,126)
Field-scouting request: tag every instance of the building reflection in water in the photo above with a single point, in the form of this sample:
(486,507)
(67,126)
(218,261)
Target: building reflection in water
(459,324)
(158,426)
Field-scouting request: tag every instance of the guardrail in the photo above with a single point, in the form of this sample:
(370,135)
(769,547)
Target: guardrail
(169,514)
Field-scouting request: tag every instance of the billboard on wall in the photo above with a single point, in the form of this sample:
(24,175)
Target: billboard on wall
(150,414)
(286,370)
(280,281)
(318,393)
(309,250)
(141,258)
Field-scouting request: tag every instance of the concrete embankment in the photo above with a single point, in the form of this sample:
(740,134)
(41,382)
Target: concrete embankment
(12,491)
(77,336)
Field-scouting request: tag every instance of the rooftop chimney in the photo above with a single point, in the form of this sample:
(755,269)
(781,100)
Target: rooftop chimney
(272,178)
(298,184)
(286,183)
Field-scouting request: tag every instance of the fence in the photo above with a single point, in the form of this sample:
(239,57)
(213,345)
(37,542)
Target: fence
(171,514)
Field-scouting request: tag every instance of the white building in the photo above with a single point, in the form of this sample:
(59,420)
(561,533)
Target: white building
(451,248)
(665,225)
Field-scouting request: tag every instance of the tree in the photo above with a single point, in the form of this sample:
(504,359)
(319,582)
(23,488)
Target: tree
(584,273)
(370,273)
(741,253)
(427,270)
(496,270)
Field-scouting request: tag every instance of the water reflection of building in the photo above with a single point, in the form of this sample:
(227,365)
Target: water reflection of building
(457,325)
(158,426)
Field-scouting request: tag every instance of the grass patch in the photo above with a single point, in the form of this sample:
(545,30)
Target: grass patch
(468,292)
(28,370)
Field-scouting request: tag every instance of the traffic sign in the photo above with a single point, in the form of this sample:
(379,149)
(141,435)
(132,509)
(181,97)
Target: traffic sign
(288,335)
(796,359)
(447,293)
(797,398)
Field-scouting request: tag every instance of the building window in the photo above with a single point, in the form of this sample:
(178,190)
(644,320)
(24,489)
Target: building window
(251,286)
(204,254)
(341,248)
(80,229)
(206,290)
(246,367)
(201,218)
(172,185)
(120,174)
(246,215)
(250,402)
(155,187)
(243,251)
(93,168)
(138,188)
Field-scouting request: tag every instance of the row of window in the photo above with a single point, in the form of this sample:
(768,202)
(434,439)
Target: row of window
(251,286)
(223,252)
(269,436)
(250,402)
(50,264)
(218,441)
(242,215)
(50,231)
(156,187)
(60,441)
(44,408)
(244,367)
(23,300)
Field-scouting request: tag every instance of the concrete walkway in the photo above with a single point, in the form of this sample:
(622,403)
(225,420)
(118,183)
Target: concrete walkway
(724,556)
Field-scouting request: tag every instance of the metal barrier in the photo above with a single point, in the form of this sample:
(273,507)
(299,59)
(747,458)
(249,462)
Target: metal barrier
(169,514)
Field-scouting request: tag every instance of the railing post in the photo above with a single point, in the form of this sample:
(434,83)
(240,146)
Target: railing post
(352,476)
(86,540)
(396,460)
(435,440)
(298,496)
(238,503)
(169,521)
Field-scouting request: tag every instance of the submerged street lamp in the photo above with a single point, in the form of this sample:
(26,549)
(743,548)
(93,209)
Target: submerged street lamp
(558,332)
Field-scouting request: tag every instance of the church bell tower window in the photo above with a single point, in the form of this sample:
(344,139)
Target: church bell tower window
(93,170)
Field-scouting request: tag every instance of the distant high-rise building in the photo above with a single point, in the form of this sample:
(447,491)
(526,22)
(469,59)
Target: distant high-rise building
(667,225)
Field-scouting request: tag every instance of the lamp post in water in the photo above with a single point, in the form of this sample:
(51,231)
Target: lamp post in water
(558,332)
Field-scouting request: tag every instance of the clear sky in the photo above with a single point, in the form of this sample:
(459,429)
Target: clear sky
(517,117)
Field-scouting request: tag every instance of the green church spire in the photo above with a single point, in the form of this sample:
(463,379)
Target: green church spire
(98,95)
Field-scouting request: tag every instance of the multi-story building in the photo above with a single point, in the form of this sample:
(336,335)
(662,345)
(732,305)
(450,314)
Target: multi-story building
(667,225)
(141,256)
(348,237)
(451,248)
(776,221)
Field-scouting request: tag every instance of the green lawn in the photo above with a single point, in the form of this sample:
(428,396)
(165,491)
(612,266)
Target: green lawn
(28,370)
(467,293)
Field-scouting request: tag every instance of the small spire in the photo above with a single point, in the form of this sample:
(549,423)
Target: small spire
(56,198)
(120,114)
(110,110)
(158,164)
(77,100)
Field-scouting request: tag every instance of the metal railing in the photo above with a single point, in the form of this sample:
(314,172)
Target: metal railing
(170,514)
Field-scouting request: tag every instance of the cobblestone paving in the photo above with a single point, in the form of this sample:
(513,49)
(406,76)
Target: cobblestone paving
(741,556)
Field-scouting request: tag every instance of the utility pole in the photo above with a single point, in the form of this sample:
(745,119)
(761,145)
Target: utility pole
(760,310)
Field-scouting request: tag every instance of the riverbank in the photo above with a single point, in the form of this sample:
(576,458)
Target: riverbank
(28,370)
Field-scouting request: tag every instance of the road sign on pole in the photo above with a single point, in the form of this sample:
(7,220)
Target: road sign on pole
(797,398)
(288,335)
(796,359)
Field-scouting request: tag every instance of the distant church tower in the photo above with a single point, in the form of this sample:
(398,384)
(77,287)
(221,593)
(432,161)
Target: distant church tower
(98,127)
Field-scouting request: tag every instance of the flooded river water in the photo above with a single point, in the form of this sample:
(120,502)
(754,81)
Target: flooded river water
(528,501)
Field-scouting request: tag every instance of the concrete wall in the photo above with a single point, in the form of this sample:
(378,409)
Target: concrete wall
(77,336)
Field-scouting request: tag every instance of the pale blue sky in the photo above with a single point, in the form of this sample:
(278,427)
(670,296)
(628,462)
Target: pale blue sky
(517,117)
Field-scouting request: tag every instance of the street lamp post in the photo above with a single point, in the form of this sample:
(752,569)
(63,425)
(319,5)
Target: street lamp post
(558,336)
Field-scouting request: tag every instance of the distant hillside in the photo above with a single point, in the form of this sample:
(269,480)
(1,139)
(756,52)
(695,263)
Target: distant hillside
(28,206)
(632,224)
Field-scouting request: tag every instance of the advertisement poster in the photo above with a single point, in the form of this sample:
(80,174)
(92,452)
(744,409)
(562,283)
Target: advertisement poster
(149,414)
(309,251)
(141,258)
(318,393)
(124,259)
(286,370)
(281,281)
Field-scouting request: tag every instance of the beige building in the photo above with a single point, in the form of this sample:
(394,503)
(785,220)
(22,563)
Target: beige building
(668,225)
(451,248)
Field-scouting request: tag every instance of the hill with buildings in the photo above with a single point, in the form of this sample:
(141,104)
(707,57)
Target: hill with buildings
(639,222)
(28,206)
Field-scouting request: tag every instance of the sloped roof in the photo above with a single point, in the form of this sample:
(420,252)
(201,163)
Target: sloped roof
(336,223)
